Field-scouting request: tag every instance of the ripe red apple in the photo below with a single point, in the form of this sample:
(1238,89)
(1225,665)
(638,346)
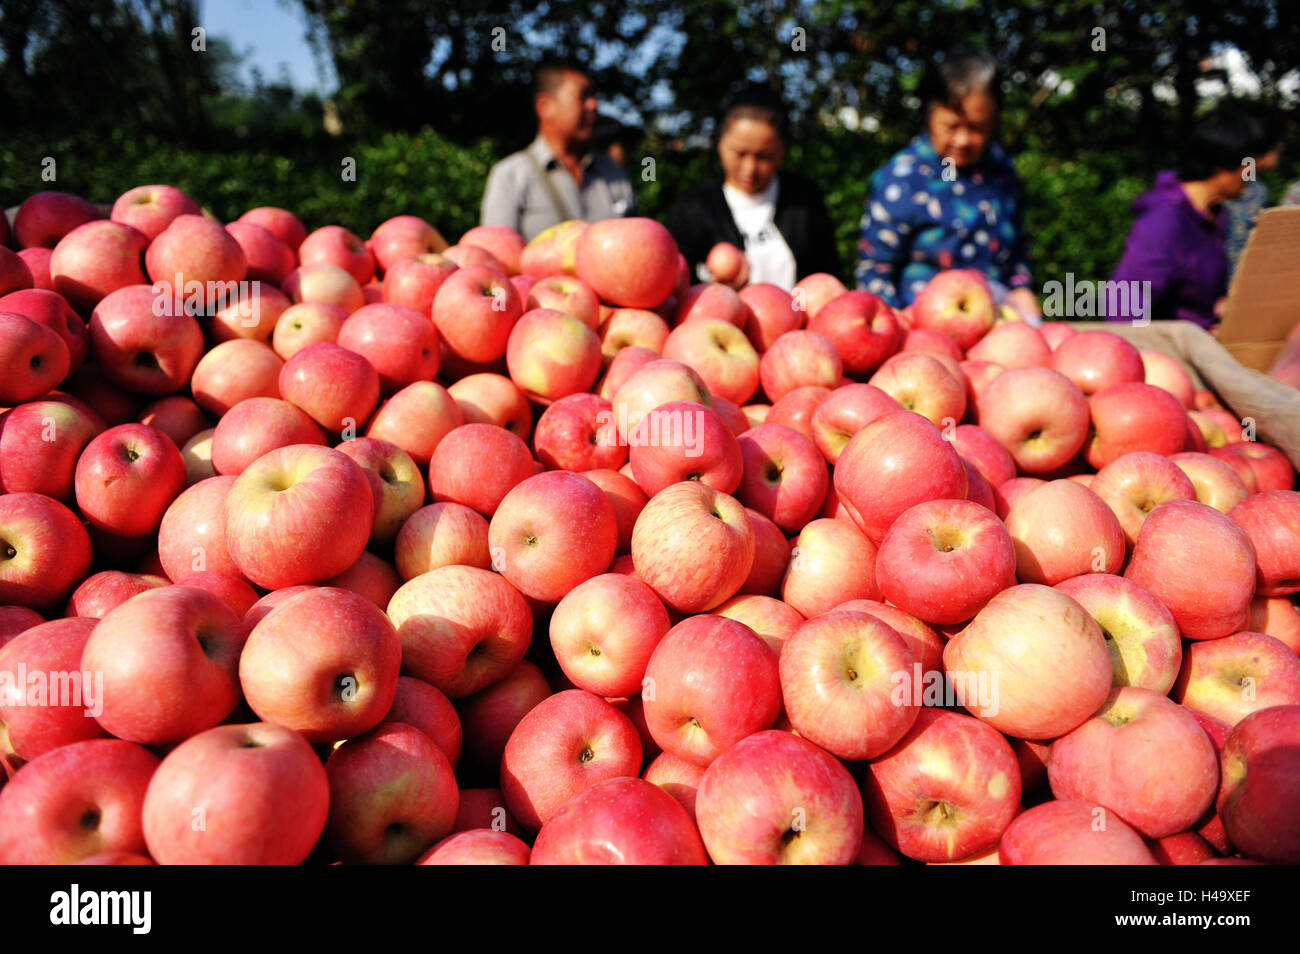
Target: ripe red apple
(1033,663)
(982,449)
(44,550)
(1012,344)
(709,683)
(630,262)
(140,350)
(1134,417)
(832,561)
(653,385)
(1270,466)
(578,433)
(693,545)
(335,245)
(46,217)
(943,560)
(477,465)
(75,802)
(37,261)
(253,312)
(490,715)
(305,324)
(395,481)
(176,416)
(103,591)
(958,303)
(863,329)
(1216,483)
(281,223)
(1142,756)
(338,388)
(255,427)
(1168,374)
(1272,520)
(1095,360)
(401,345)
(40,443)
(475,309)
(170,659)
(551,354)
(269,259)
(150,208)
(193,248)
(604,631)
(625,821)
(235,371)
(47,700)
(237,794)
(1145,647)
(799,358)
(51,310)
(416,419)
(392,795)
(1200,564)
(563,746)
(1231,677)
(720,353)
(427,708)
(298,514)
(846,411)
(35,359)
(946,791)
(774,798)
(94,259)
(1037,414)
(1072,833)
(771,314)
(896,462)
(127,477)
(328,284)
(1277,616)
(403,237)
(324,664)
(477,847)
(1261,785)
(1062,529)
(462,628)
(441,534)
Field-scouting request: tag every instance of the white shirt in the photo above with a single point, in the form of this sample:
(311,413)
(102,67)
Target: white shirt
(770,258)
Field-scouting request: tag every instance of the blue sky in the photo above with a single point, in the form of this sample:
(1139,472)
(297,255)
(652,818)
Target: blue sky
(271,35)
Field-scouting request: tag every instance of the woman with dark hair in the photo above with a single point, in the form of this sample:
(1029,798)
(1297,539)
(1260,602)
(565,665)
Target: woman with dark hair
(777,217)
(1177,241)
(951,198)
(1243,210)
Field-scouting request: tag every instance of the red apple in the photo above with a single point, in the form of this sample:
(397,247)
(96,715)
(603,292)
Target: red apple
(44,550)
(1134,417)
(1094,360)
(255,427)
(477,465)
(40,443)
(1232,677)
(335,245)
(269,259)
(475,309)
(1145,648)
(771,314)
(403,237)
(235,371)
(127,477)
(832,561)
(35,359)
(94,259)
(281,223)
(799,358)
(630,262)
(46,699)
(150,208)
(1272,520)
(139,349)
(1261,785)
(863,329)
(193,248)
(1072,833)
(1037,414)
(338,388)
(958,303)
(46,217)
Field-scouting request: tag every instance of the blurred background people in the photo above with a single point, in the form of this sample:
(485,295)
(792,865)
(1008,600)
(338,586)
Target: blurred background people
(1243,210)
(558,176)
(1178,241)
(951,198)
(775,216)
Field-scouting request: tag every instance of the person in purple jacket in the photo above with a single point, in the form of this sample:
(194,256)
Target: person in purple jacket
(1178,240)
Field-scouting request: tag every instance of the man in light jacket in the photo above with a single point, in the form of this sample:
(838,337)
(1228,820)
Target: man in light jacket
(558,176)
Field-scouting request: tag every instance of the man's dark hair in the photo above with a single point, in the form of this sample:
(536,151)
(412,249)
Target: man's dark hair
(550,73)
(756,101)
(961,72)
(1220,141)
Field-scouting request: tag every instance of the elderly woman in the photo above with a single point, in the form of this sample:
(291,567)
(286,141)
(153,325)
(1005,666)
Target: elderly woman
(778,218)
(951,198)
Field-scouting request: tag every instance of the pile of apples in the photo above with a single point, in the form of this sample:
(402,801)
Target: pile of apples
(330,550)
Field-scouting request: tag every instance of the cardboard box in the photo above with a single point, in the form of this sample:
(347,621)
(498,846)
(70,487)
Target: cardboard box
(1264,300)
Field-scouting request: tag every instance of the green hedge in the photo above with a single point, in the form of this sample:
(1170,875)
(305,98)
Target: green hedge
(1077,214)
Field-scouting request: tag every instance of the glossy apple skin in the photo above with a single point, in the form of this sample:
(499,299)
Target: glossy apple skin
(771,314)
(922,383)
(1277,616)
(578,433)
(1216,483)
(442,534)
(127,477)
(946,791)
(1145,646)
(298,514)
(328,284)
(108,589)
(51,550)
(477,465)
(563,746)
(469,319)
(461,628)
(1231,677)
(1142,756)
(943,560)
(681,440)
(262,790)
(335,245)
(693,545)
(1200,564)
(845,412)
(198,250)
(338,388)
(774,798)
(709,683)
(1061,530)
(281,223)
(269,260)
(35,358)
(403,237)
(1134,417)
(799,358)
(896,462)
(958,303)
(40,443)
(604,632)
(1037,414)
(621,821)
(54,647)
(392,796)
(419,704)
(772,556)
(45,217)
(1261,785)
(551,532)
(832,561)
(255,427)
(1098,359)
(416,419)
(170,659)
(838,684)
(630,262)
(74,802)
(46,307)
(784,477)
(1272,519)
(94,259)
(481,846)
(401,344)
(1052,666)
(1135,484)
(862,328)
(290,666)
(676,776)
(1072,833)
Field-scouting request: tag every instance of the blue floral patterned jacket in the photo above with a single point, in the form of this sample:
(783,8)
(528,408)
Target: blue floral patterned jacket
(917,222)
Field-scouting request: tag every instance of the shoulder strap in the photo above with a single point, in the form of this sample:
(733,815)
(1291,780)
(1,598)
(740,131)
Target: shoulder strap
(549,186)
